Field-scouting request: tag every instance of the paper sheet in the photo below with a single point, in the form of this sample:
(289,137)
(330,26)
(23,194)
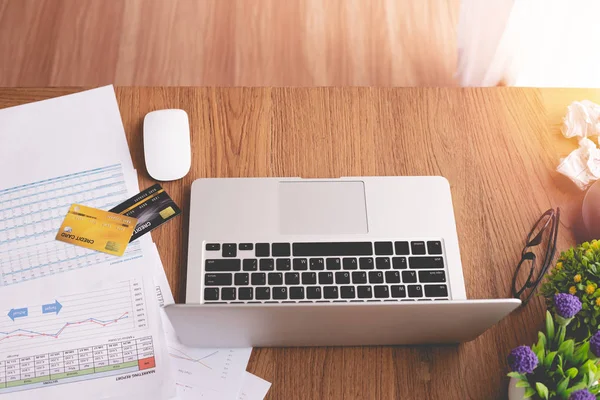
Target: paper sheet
(253,387)
(85,333)
(58,136)
(214,374)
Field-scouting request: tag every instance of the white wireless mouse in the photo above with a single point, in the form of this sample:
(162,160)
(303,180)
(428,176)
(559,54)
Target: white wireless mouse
(167,148)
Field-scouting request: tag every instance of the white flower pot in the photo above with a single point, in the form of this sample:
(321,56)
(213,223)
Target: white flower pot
(514,392)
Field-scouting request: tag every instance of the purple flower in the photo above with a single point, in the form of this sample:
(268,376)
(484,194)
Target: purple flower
(582,394)
(566,305)
(595,344)
(522,360)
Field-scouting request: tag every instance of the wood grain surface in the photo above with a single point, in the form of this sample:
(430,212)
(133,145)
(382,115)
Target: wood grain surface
(228,42)
(498,147)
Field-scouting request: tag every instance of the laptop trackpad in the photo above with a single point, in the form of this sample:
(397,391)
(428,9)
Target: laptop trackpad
(323,207)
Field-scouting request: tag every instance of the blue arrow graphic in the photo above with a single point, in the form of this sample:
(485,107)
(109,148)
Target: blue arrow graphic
(51,308)
(17,313)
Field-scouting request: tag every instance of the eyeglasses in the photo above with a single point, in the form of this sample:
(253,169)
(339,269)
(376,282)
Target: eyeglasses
(546,225)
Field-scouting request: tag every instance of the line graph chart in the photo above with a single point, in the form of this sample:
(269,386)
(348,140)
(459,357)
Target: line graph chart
(177,353)
(61,338)
(108,311)
(30,334)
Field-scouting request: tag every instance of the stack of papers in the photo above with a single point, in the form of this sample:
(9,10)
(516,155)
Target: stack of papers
(74,322)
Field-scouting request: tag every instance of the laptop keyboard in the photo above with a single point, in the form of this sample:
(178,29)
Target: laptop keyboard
(324,272)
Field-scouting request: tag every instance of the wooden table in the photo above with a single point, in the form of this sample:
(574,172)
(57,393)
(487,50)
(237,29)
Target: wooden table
(499,148)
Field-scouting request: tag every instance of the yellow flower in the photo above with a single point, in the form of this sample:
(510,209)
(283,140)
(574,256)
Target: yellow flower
(589,254)
(577,278)
(598,301)
(559,265)
(572,290)
(590,289)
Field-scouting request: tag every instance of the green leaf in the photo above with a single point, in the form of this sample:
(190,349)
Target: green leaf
(523,384)
(562,386)
(581,354)
(566,349)
(516,375)
(548,359)
(591,378)
(550,325)
(529,392)
(542,390)
(571,372)
(541,341)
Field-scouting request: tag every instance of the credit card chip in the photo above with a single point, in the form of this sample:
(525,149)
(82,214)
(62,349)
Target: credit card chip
(167,212)
(112,246)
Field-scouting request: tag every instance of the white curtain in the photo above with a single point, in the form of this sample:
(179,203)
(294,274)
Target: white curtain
(542,43)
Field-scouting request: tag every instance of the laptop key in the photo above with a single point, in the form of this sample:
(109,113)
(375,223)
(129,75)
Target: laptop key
(245,293)
(392,276)
(262,250)
(280,250)
(334,264)
(350,263)
(259,278)
(409,276)
(434,247)
(347,292)
(323,249)
(375,277)
(317,264)
(223,265)
(267,264)
(432,276)
(280,293)
(415,291)
(284,264)
(250,264)
(325,278)
(384,248)
(382,292)
(365,292)
(436,291)
(417,247)
(211,294)
(366,263)
(330,292)
(426,262)
(300,264)
(313,292)
(246,246)
(292,278)
(263,293)
(213,246)
(229,250)
(398,291)
(359,277)
(241,279)
(399,263)
(297,293)
(382,263)
(218,279)
(342,278)
(275,278)
(402,248)
(228,293)
(309,278)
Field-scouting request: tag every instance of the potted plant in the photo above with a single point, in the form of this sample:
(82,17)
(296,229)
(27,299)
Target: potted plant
(577,272)
(556,367)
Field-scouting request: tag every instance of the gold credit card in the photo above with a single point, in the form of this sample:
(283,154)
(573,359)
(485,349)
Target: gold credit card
(96,229)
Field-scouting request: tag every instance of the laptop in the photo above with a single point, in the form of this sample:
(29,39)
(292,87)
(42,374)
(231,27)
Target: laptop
(312,262)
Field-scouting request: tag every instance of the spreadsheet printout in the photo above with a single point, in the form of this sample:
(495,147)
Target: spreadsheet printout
(31,214)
